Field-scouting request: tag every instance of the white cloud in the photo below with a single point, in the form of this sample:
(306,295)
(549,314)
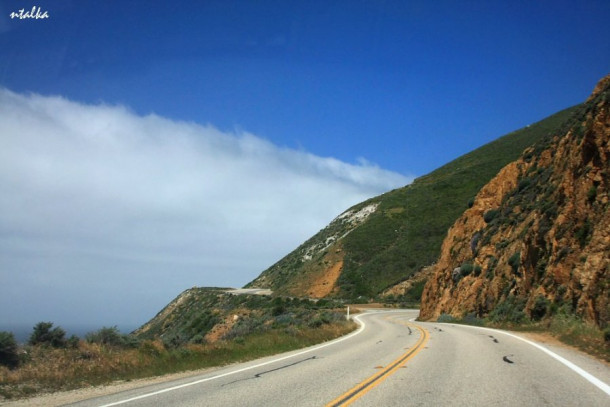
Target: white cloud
(101,205)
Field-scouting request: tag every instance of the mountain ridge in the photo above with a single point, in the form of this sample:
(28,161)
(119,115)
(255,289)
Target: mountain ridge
(402,230)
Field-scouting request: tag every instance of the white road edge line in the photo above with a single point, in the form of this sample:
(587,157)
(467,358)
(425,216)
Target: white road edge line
(207,379)
(588,376)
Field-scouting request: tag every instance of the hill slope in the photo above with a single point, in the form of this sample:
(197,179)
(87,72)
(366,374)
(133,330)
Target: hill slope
(208,315)
(536,241)
(386,239)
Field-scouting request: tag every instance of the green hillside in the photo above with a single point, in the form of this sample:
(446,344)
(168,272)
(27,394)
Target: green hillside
(406,230)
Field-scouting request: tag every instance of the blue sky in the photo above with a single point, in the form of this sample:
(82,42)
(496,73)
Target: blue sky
(153,146)
(386,81)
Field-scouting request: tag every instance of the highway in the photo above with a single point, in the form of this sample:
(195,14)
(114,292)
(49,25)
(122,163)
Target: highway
(393,361)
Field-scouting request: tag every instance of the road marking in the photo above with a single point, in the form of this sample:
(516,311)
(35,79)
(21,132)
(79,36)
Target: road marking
(361,389)
(588,376)
(207,379)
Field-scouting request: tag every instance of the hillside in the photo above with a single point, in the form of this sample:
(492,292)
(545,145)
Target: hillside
(208,315)
(536,241)
(385,240)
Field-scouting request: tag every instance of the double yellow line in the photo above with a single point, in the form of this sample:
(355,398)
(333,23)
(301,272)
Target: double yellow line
(362,388)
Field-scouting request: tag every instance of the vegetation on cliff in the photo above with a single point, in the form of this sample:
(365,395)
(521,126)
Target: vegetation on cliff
(535,245)
(399,232)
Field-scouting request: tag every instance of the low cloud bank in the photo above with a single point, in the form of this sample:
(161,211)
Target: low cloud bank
(107,215)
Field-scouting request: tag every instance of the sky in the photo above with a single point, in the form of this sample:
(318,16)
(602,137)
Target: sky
(148,147)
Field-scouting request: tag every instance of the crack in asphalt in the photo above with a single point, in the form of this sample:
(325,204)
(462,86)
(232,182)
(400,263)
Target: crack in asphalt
(507,360)
(258,375)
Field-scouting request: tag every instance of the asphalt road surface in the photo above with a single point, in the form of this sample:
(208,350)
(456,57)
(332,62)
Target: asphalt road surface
(393,361)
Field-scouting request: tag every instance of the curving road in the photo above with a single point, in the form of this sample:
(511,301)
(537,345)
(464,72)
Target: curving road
(391,361)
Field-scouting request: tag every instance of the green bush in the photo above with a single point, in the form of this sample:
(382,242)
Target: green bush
(514,261)
(8,350)
(110,336)
(72,342)
(44,335)
(541,307)
(466,268)
(510,310)
(472,319)
(490,215)
(278,310)
(583,233)
(446,318)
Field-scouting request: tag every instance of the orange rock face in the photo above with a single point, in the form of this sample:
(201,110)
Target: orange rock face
(539,232)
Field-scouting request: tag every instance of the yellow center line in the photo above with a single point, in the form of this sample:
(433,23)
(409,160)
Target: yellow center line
(362,388)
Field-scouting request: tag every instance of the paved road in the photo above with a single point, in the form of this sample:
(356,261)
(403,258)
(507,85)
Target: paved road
(257,291)
(393,362)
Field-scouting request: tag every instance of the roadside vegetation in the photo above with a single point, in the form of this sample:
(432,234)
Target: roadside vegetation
(561,323)
(51,362)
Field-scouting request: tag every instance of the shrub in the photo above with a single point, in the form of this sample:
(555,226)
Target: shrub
(583,233)
(541,307)
(466,268)
(472,319)
(44,335)
(510,310)
(106,336)
(446,318)
(151,348)
(73,342)
(278,310)
(8,350)
(490,215)
(514,261)
(524,183)
(477,270)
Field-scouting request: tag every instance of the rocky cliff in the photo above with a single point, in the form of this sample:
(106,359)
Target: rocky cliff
(536,239)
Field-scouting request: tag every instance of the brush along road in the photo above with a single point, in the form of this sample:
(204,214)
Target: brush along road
(393,361)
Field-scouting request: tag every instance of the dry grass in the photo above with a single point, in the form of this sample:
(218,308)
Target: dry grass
(48,369)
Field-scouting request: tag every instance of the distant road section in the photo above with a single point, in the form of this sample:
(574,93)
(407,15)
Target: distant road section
(393,361)
(257,291)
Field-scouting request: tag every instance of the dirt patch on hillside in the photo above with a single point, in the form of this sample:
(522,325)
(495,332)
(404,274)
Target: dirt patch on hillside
(325,283)
(221,329)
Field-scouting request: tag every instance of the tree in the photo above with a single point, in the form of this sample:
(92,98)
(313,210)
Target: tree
(44,335)
(8,350)
(106,336)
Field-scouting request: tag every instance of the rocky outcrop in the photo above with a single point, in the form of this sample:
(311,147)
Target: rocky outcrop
(538,234)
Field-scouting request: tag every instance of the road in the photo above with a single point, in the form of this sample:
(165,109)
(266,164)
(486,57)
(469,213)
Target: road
(257,291)
(392,361)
